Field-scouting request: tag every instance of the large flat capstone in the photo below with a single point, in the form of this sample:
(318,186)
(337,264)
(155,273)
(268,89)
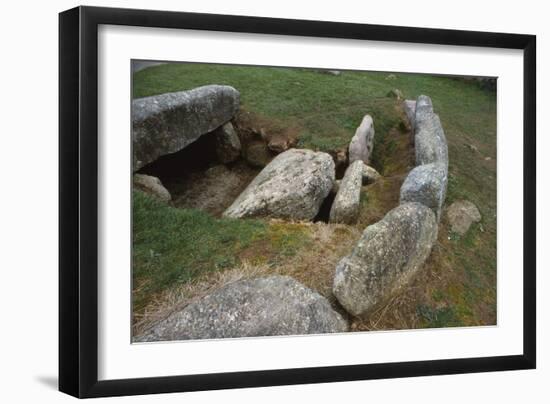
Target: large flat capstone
(167,123)
(292,186)
(274,305)
(386,256)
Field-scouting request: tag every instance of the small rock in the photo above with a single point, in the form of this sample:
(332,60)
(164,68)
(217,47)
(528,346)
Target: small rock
(278,144)
(362,143)
(487,158)
(473,148)
(391,76)
(370,175)
(385,258)
(461,215)
(228,145)
(292,186)
(274,305)
(396,93)
(340,157)
(345,208)
(152,186)
(257,154)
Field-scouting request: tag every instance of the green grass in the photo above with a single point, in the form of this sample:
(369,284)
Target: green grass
(171,245)
(326,110)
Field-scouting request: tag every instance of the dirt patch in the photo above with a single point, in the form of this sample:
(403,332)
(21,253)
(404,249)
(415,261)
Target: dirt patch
(278,136)
(213,190)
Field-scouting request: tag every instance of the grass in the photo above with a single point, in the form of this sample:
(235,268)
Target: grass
(174,246)
(458,286)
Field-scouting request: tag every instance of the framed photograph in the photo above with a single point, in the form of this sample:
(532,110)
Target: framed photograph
(251,201)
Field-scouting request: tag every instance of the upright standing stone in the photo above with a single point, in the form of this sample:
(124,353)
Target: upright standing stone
(345,208)
(362,143)
(167,123)
(228,144)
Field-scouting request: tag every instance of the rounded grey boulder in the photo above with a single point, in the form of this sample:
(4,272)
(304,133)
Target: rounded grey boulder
(292,186)
(426,184)
(345,208)
(461,215)
(274,305)
(167,123)
(386,256)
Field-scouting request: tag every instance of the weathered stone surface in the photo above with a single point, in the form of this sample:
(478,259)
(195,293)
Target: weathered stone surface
(257,154)
(152,186)
(385,258)
(370,175)
(430,142)
(409,106)
(228,145)
(274,305)
(167,123)
(292,186)
(345,208)
(426,184)
(461,215)
(362,143)
(423,108)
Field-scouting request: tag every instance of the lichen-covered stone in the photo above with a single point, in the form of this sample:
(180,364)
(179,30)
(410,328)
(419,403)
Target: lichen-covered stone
(461,215)
(385,258)
(167,123)
(345,208)
(426,184)
(228,144)
(292,186)
(274,305)
(362,142)
(152,186)
(430,142)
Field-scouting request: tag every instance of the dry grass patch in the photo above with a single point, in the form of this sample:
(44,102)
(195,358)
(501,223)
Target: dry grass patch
(313,267)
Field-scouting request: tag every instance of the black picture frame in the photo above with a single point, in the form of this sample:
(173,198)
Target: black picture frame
(78,201)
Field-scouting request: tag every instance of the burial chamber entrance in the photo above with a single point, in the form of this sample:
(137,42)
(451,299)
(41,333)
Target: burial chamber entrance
(197,179)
